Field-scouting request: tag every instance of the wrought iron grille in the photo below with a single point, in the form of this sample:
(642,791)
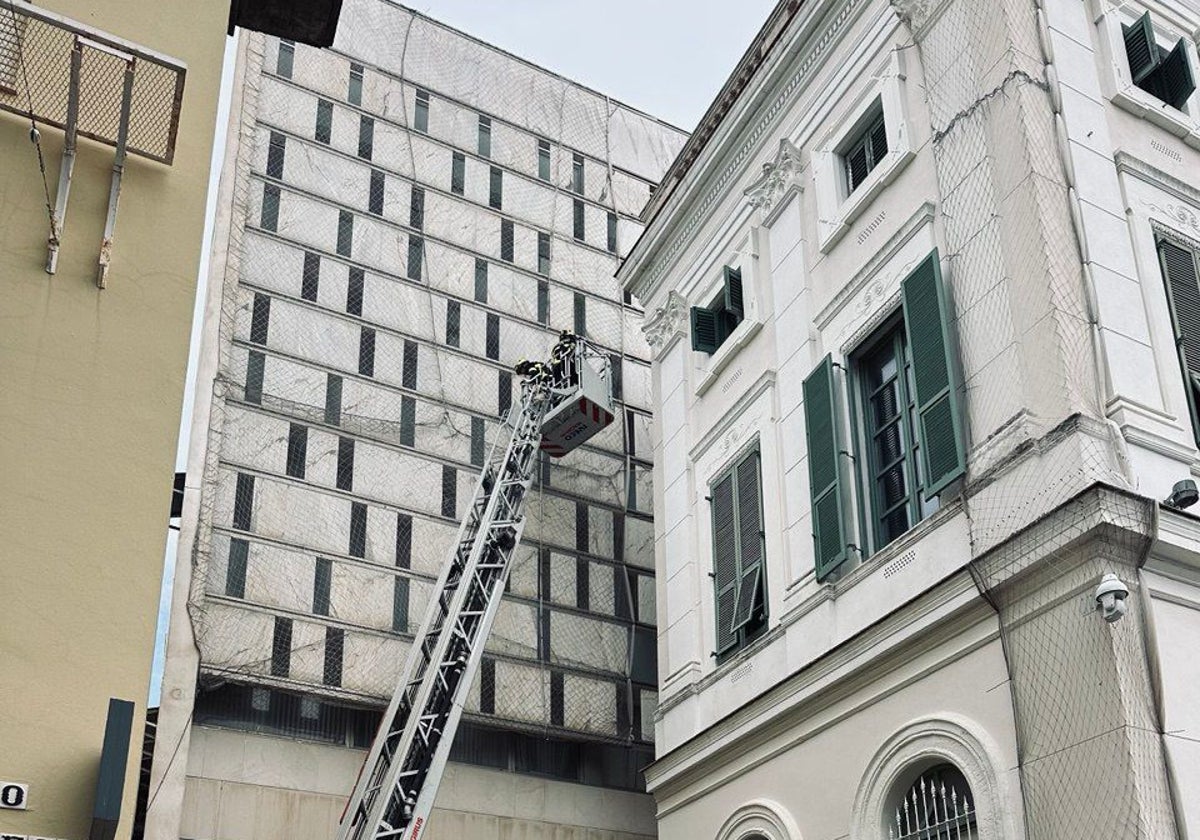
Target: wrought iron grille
(35,80)
(934,809)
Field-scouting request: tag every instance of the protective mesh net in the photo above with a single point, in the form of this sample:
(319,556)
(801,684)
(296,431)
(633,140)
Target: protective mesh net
(1090,752)
(412,214)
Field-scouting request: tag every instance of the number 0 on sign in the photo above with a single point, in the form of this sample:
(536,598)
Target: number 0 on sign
(13,795)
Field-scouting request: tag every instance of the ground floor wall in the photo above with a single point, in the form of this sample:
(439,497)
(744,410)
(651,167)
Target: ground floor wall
(244,786)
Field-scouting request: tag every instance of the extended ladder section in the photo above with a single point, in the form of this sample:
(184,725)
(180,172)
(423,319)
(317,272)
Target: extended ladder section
(396,787)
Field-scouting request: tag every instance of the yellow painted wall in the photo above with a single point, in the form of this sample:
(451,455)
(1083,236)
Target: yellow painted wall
(91,385)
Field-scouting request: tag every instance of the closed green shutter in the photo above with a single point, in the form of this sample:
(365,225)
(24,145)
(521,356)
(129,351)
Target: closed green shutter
(725,568)
(1174,77)
(1140,48)
(1179,271)
(750,542)
(704,329)
(733,292)
(824,472)
(939,426)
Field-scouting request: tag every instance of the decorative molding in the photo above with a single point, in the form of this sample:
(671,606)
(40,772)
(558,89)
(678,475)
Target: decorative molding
(760,818)
(666,322)
(1147,172)
(918,14)
(951,738)
(1178,213)
(778,176)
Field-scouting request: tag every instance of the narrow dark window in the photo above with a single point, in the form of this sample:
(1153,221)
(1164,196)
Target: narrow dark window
(255,362)
(545,469)
(485,136)
(453,322)
(477,441)
(543,153)
(612,234)
(354,291)
(366,351)
(449,491)
(544,650)
(421,113)
(235,572)
(297,451)
(580,314)
(487,685)
(345,232)
(270,208)
(495,188)
(260,319)
(544,575)
(416,254)
(458,173)
(506,240)
(366,137)
(400,605)
(504,392)
(281,647)
(358,530)
(286,58)
(335,641)
(577,173)
(543,265)
(416,208)
(322,575)
(543,302)
(310,276)
(618,376)
(556,698)
(408,421)
(582,572)
(404,533)
(581,527)
(324,127)
(630,432)
(492,342)
(345,463)
(375,193)
(481,280)
(865,151)
(333,399)
(354,89)
(409,365)
(275,153)
(580,227)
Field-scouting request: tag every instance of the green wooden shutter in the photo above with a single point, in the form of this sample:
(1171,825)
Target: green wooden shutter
(733,292)
(750,541)
(1175,83)
(725,565)
(824,472)
(704,330)
(939,426)
(1141,48)
(1179,271)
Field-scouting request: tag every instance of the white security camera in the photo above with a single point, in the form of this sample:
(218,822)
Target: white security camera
(1111,597)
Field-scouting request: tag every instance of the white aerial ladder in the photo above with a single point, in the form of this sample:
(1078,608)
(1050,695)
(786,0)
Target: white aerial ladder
(563,403)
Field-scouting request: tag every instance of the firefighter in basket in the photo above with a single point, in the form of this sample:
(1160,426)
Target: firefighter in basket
(562,360)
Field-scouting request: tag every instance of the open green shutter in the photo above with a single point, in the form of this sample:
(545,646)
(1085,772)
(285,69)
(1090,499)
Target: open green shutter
(1173,78)
(1179,271)
(704,330)
(939,426)
(824,471)
(733,292)
(748,603)
(725,567)
(1140,48)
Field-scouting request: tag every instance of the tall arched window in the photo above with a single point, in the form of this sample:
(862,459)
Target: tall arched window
(935,805)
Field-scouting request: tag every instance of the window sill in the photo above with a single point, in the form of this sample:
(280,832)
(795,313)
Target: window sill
(857,202)
(725,353)
(1144,106)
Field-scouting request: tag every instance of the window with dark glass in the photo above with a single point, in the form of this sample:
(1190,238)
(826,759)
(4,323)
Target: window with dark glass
(335,640)
(543,154)
(235,572)
(345,232)
(577,173)
(310,276)
(612,233)
(458,173)
(543,265)
(297,451)
(375,193)
(355,283)
(485,136)
(453,321)
(366,137)
(491,345)
(281,647)
(408,421)
(358,530)
(345,464)
(481,280)
(409,365)
(354,89)
(324,121)
(543,302)
(270,207)
(286,58)
(275,153)
(495,188)
(255,363)
(579,228)
(416,208)
(322,578)
(416,254)
(366,351)
(260,318)
(580,314)
(713,324)
(1164,74)
(507,236)
(421,112)
(865,150)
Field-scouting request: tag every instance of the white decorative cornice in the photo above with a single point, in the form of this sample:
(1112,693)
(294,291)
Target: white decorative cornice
(666,322)
(778,176)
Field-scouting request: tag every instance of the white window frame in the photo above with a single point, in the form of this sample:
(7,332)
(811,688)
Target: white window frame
(837,208)
(1117,84)
(709,366)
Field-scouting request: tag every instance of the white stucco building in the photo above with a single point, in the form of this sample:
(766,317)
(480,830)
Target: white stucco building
(922,296)
(402,218)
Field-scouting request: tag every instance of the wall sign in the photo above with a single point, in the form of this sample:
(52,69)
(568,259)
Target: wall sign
(14,795)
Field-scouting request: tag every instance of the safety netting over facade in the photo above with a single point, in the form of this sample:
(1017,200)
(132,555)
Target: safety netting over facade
(412,213)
